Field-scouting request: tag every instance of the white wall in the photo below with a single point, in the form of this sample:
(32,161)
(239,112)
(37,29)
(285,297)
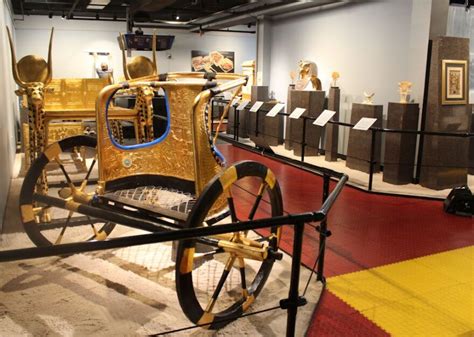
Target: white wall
(73,39)
(372,45)
(8,111)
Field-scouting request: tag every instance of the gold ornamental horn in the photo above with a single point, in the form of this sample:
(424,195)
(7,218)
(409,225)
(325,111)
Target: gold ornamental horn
(139,66)
(31,68)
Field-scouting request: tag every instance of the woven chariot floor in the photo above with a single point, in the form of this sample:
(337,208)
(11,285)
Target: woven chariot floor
(123,292)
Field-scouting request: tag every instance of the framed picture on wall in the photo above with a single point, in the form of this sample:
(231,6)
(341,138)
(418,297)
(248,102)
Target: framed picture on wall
(214,61)
(454,86)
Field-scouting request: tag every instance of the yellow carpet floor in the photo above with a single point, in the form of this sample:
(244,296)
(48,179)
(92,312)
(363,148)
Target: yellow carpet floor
(427,296)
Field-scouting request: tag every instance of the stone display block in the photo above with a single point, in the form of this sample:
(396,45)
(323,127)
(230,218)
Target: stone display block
(313,102)
(265,131)
(359,147)
(471,148)
(399,161)
(332,131)
(259,93)
(445,159)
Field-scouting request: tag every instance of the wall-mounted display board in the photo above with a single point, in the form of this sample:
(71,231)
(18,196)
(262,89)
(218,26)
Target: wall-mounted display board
(445,159)
(214,61)
(454,82)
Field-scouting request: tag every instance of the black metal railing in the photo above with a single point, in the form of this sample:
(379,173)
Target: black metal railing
(372,162)
(298,221)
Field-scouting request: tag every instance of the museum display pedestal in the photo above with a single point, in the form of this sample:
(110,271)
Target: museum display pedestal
(265,131)
(259,93)
(471,147)
(400,147)
(332,131)
(445,159)
(313,102)
(243,122)
(359,147)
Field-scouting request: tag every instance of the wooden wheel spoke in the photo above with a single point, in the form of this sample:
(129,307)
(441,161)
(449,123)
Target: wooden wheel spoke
(63,230)
(66,175)
(257,201)
(89,171)
(242,277)
(217,291)
(230,202)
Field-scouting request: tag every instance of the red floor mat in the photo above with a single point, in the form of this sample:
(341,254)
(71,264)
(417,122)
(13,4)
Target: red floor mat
(369,230)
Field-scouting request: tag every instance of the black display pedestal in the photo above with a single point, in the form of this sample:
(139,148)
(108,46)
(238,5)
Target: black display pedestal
(445,159)
(400,147)
(259,93)
(471,147)
(360,142)
(265,131)
(313,102)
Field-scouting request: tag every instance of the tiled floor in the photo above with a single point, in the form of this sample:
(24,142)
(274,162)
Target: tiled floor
(370,231)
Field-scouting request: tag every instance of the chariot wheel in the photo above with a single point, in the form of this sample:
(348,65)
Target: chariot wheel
(66,170)
(215,285)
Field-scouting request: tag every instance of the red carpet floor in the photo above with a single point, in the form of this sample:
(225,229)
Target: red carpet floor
(368,230)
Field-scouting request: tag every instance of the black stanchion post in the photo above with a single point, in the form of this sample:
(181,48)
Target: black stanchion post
(372,156)
(419,159)
(256,124)
(303,143)
(323,232)
(293,296)
(237,124)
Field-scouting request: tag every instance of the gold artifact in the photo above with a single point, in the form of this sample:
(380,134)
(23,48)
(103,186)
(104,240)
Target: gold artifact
(293,75)
(190,153)
(335,76)
(404,89)
(141,67)
(369,98)
(32,73)
(58,99)
(248,69)
(308,73)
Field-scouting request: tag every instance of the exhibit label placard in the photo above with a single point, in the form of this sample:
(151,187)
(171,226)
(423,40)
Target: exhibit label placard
(275,110)
(324,117)
(297,113)
(364,124)
(256,106)
(243,104)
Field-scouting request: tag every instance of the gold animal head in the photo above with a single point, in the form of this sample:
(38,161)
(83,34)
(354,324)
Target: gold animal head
(139,66)
(35,93)
(31,70)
